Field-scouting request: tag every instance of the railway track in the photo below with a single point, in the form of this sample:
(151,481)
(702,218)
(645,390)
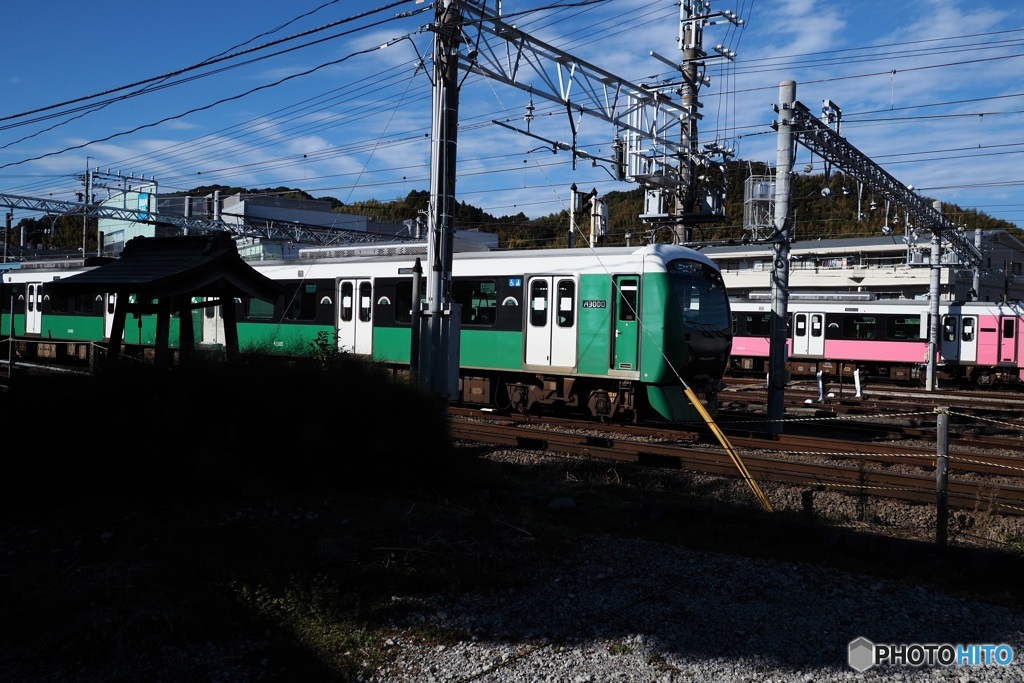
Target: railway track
(978,418)
(993,481)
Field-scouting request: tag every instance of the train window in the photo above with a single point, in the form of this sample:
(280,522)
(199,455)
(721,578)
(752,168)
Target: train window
(967,334)
(689,295)
(859,327)
(627,300)
(539,302)
(11,294)
(566,297)
(60,305)
(699,293)
(817,325)
(365,301)
(258,309)
(302,303)
(800,329)
(948,328)
(479,300)
(345,310)
(81,303)
(758,324)
(906,328)
(84,303)
(1009,328)
(403,302)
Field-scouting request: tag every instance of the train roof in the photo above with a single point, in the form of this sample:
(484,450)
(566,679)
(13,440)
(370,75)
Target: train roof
(507,262)
(403,255)
(405,252)
(839,304)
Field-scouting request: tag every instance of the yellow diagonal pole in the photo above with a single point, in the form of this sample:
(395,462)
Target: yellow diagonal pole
(733,455)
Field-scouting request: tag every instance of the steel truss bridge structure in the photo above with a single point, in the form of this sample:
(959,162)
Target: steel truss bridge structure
(241,228)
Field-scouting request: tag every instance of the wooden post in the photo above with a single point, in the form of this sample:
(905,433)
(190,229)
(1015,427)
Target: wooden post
(941,476)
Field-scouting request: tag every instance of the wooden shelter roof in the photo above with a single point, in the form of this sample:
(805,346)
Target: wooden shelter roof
(162,267)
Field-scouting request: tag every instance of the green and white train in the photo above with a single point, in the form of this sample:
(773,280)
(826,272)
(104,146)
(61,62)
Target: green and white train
(613,332)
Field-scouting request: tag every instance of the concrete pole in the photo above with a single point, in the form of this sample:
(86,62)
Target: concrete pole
(935,274)
(85,209)
(435,368)
(976,281)
(691,42)
(574,201)
(778,346)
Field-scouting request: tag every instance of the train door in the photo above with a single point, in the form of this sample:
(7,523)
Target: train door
(551,321)
(33,308)
(626,340)
(109,304)
(959,341)
(355,303)
(1007,339)
(968,339)
(809,334)
(213,322)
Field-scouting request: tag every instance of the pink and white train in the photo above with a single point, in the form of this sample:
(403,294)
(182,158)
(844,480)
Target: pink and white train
(978,342)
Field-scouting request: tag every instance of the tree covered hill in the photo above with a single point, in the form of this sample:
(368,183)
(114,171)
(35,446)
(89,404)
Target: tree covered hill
(841,214)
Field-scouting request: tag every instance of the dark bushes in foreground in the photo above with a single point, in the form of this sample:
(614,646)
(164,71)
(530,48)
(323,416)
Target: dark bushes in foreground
(220,430)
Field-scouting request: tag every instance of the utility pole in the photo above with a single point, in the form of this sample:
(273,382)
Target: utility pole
(85,200)
(824,141)
(778,348)
(934,282)
(684,183)
(690,204)
(691,32)
(439,342)
(7,233)
(574,209)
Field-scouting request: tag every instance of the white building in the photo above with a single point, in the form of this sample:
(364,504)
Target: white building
(288,220)
(882,267)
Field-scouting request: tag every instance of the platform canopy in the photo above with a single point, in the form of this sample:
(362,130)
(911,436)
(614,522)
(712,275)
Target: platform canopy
(168,275)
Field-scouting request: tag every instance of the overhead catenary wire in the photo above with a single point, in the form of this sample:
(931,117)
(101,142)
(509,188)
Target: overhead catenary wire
(581,15)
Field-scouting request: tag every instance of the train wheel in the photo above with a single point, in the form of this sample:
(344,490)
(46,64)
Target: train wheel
(518,397)
(601,404)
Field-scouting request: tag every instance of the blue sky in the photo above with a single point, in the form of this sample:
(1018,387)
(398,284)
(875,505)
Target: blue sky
(932,90)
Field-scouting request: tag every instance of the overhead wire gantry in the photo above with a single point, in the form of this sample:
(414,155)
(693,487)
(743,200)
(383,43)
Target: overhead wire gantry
(237,225)
(796,125)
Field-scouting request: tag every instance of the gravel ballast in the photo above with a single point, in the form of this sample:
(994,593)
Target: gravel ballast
(614,608)
(633,610)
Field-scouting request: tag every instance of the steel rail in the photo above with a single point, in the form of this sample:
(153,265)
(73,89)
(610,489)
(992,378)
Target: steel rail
(859,480)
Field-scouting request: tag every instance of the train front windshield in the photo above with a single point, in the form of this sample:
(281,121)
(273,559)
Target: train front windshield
(703,302)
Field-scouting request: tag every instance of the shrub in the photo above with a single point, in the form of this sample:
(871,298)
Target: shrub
(221,429)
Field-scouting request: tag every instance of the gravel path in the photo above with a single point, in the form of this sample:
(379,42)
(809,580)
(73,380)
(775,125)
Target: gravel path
(634,610)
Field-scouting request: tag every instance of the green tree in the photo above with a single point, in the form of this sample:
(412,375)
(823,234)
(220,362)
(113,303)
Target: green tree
(61,233)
